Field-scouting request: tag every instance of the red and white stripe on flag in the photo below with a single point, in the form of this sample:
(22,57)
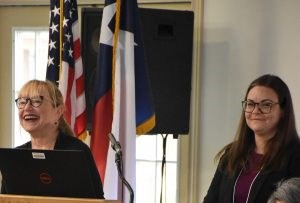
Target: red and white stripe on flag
(65,63)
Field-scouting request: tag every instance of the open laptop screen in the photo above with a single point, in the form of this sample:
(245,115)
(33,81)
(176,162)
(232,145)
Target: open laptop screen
(61,173)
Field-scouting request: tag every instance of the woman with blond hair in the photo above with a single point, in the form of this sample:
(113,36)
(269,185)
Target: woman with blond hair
(41,114)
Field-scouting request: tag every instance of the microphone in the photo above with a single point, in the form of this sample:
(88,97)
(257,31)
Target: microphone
(114,143)
(118,160)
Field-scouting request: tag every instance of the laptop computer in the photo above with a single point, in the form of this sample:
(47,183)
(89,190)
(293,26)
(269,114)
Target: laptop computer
(61,173)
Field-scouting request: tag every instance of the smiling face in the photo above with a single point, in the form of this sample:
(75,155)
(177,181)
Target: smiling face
(263,124)
(40,120)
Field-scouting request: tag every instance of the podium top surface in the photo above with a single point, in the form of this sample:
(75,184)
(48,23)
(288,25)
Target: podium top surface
(4,198)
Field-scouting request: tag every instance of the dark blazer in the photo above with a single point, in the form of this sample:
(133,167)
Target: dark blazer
(66,142)
(222,185)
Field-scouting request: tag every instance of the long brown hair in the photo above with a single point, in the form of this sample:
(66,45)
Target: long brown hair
(237,152)
(34,87)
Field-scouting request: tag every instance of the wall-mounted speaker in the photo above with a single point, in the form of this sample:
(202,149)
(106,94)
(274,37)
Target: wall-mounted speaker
(168,40)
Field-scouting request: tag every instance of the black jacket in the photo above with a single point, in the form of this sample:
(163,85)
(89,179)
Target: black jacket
(66,142)
(222,185)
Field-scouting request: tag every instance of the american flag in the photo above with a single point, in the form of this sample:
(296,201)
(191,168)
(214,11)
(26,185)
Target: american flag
(65,64)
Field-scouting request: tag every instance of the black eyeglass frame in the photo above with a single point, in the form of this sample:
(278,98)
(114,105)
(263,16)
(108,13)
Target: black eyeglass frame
(32,102)
(263,109)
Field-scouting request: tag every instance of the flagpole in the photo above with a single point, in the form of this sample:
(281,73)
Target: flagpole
(115,45)
(113,69)
(61,2)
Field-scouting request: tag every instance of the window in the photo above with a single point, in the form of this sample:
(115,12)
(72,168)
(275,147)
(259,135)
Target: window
(30,62)
(149,153)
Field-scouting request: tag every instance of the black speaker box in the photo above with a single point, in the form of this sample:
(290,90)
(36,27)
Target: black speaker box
(168,40)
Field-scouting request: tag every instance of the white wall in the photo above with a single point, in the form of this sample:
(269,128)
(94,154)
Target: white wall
(241,41)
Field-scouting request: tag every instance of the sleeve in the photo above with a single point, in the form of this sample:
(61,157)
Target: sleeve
(294,166)
(94,174)
(2,185)
(3,190)
(212,195)
(70,143)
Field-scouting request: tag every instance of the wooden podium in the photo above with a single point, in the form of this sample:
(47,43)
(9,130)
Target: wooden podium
(44,199)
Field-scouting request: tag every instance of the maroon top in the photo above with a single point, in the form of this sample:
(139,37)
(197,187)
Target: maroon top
(247,176)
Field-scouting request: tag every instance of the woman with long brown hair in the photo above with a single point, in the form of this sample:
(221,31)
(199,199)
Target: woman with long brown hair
(266,148)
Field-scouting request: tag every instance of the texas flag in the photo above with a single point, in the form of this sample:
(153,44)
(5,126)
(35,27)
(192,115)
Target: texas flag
(123,102)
